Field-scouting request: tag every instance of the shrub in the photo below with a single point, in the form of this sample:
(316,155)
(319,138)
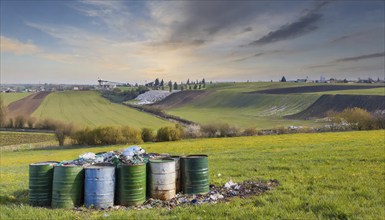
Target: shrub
(62,131)
(250,132)
(47,123)
(355,118)
(3,113)
(107,135)
(19,122)
(10,123)
(192,131)
(220,130)
(169,133)
(31,122)
(379,119)
(147,135)
(131,135)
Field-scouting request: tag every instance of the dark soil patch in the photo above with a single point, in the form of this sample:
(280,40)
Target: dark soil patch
(27,105)
(180,98)
(309,89)
(338,103)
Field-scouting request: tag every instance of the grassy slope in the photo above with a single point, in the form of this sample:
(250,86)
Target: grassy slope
(8,98)
(228,104)
(13,138)
(326,175)
(88,108)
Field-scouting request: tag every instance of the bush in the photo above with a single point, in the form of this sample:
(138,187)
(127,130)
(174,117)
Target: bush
(48,124)
(220,130)
(192,131)
(62,131)
(107,135)
(31,122)
(170,133)
(379,119)
(354,118)
(250,132)
(10,123)
(147,135)
(131,135)
(3,113)
(19,122)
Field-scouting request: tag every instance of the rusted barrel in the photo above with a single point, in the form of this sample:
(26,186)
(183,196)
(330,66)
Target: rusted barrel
(40,183)
(162,178)
(67,188)
(99,186)
(132,184)
(195,174)
(177,173)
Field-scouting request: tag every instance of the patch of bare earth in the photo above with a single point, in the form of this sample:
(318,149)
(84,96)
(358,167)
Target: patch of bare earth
(180,98)
(27,105)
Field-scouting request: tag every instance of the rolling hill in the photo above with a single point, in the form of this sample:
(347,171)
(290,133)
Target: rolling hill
(90,109)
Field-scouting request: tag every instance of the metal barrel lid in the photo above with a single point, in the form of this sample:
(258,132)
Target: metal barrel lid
(44,163)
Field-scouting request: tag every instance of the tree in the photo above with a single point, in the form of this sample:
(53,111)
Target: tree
(189,87)
(156,82)
(181,87)
(3,112)
(200,86)
(175,86)
(188,82)
(170,86)
(162,83)
(195,86)
(204,83)
(283,79)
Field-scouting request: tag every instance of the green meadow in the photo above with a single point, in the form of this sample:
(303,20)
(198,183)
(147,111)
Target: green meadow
(322,176)
(88,108)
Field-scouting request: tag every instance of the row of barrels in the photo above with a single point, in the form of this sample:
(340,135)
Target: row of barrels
(103,185)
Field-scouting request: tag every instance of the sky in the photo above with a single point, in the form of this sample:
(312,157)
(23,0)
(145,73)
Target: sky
(79,41)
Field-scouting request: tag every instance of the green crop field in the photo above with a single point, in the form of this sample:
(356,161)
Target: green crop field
(90,109)
(246,110)
(8,98)
(322,176)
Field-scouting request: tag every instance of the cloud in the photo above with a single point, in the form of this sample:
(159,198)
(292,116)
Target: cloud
(319,66)
(304,24)
(17,47)
(258,55)
(362,57)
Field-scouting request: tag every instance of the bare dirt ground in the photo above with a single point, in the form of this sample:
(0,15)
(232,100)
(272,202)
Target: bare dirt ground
(309,89)
(27,105)
(338,103)
(181,98)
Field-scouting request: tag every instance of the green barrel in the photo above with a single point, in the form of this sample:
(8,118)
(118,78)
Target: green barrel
(40,183)
(67,190)
(195,174)
(132,184)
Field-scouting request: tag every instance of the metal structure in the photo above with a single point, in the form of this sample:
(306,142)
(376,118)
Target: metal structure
(99,186)
(162,179)
(40,183)
(195,174)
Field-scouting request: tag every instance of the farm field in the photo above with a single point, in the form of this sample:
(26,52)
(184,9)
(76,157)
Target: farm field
(240,104)
(322,176)
(88,108)
(245,110)
(12,97)
(372,91)
(15,138)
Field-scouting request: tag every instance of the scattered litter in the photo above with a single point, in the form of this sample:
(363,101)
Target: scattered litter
(215,195)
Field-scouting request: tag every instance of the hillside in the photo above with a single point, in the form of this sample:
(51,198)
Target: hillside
(338,103)
(90,109)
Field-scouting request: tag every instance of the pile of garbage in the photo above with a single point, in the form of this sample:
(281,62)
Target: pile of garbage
(153,96)
(215,195)
(131,156)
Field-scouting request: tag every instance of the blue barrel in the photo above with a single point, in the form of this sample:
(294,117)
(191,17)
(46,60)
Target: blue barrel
(99,186)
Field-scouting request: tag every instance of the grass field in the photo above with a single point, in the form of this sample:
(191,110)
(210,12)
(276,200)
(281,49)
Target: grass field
(88,108)
(8,98)
(246,110)
(322,176)
(13,138)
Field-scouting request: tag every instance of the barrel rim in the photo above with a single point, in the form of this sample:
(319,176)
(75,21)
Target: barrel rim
(132,165)
(92,167)
(44,163)
(162,160)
